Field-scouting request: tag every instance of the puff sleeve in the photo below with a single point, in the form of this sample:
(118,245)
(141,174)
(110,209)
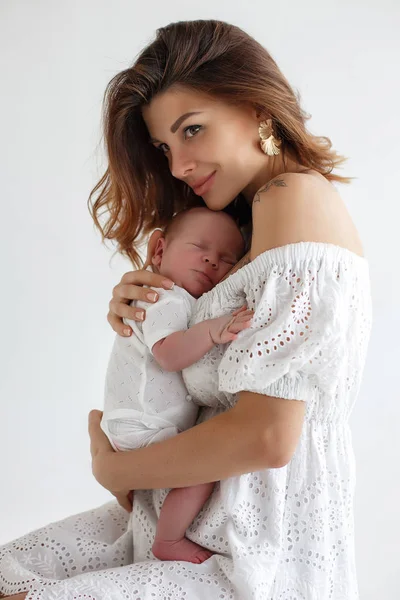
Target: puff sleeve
(298,332)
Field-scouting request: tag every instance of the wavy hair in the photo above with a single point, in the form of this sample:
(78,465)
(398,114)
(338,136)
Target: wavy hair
(137,192)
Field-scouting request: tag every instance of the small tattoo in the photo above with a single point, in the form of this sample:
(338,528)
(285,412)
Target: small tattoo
(242,262)
(276,182)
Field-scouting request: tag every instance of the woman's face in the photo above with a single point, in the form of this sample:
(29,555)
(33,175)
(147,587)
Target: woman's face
(221,140)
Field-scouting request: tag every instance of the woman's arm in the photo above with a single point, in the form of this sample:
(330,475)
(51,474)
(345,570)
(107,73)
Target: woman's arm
(230,444)
(259,432)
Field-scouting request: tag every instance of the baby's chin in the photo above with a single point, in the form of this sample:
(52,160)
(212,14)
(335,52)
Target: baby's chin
(191,283)
(197,288)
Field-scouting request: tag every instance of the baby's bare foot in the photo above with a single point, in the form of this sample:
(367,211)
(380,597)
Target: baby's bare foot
(182,549)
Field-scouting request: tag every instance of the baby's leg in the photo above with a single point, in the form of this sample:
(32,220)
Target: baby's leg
(178,511)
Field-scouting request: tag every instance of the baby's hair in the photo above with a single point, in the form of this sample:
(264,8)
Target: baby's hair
(174,225)
(172,228)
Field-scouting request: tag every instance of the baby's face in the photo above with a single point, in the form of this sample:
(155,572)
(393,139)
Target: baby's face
(204,250)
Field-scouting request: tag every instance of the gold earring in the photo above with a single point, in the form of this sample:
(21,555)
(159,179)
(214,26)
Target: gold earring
(269,144)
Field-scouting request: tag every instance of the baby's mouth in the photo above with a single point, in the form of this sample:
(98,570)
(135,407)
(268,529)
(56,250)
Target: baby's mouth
(206,277)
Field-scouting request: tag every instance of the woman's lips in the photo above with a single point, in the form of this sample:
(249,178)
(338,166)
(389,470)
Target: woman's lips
(206,186)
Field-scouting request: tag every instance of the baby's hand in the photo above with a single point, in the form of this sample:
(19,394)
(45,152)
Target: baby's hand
(225,329)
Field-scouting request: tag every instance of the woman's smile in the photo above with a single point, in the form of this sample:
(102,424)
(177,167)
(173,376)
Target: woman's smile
(206,186)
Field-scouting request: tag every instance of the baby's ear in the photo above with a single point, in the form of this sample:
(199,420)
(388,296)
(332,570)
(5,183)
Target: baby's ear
(152,247)
(158,251)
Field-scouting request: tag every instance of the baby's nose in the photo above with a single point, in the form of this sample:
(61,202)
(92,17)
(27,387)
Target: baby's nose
(213,261)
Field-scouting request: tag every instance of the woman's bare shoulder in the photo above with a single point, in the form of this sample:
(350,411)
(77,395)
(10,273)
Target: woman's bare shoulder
(301,207)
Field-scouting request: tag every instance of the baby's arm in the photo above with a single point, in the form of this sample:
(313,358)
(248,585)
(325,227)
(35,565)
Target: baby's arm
(183,348)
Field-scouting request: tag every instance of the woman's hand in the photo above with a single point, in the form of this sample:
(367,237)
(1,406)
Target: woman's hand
(130,288)
(101,449)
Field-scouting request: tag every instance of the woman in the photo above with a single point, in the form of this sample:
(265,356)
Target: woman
(205,115)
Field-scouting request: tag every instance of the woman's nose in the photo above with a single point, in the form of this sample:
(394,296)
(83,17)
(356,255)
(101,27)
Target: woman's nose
(181,165)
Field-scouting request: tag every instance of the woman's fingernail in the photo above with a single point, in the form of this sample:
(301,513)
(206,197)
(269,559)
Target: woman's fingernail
(127,332)
(168,284)
(152,296)
(140,315)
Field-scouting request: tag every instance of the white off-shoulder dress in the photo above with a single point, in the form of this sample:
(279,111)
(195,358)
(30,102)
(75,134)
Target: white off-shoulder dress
(277,534)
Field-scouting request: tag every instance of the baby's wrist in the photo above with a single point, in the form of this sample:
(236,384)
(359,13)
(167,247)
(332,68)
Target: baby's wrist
(213,329)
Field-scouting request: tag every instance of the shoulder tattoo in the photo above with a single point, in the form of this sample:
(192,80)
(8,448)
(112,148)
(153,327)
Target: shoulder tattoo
(275,182)
(242,262)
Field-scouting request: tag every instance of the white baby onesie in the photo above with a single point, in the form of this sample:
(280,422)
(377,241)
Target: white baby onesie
(143,403)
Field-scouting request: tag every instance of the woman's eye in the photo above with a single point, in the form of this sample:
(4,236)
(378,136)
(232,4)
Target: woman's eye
(160,147)
(192,127)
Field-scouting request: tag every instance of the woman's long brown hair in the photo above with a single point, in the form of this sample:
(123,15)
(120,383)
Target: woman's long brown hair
(137,193)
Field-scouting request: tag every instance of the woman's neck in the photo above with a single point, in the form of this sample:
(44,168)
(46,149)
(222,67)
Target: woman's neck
(271,167)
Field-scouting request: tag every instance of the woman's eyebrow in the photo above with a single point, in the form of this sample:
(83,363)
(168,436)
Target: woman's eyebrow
(177,123)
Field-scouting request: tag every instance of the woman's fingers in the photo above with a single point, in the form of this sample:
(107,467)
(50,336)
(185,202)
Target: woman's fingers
(126,311)
(118,325)
(131,288)
(124,500)
(95,416)
(98,439)
(143,277)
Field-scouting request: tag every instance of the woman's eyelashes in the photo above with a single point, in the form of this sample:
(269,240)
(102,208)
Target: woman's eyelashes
(192,127)
(184,131)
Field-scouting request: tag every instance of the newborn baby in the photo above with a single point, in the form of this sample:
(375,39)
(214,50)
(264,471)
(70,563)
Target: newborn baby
(146,399)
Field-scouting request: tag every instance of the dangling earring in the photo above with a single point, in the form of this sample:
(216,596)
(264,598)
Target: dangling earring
(269,144)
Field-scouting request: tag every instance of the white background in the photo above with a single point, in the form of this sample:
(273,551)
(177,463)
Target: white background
(56,280)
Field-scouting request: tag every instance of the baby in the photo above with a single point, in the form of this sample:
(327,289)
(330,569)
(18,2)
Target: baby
(146,399)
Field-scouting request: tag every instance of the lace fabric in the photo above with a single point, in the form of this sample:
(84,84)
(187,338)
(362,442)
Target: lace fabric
(278,534)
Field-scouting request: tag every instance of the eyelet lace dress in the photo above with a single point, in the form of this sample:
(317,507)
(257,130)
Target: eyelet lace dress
(277,534)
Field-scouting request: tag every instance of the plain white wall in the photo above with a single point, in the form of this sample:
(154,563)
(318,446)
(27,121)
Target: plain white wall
(56,59)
